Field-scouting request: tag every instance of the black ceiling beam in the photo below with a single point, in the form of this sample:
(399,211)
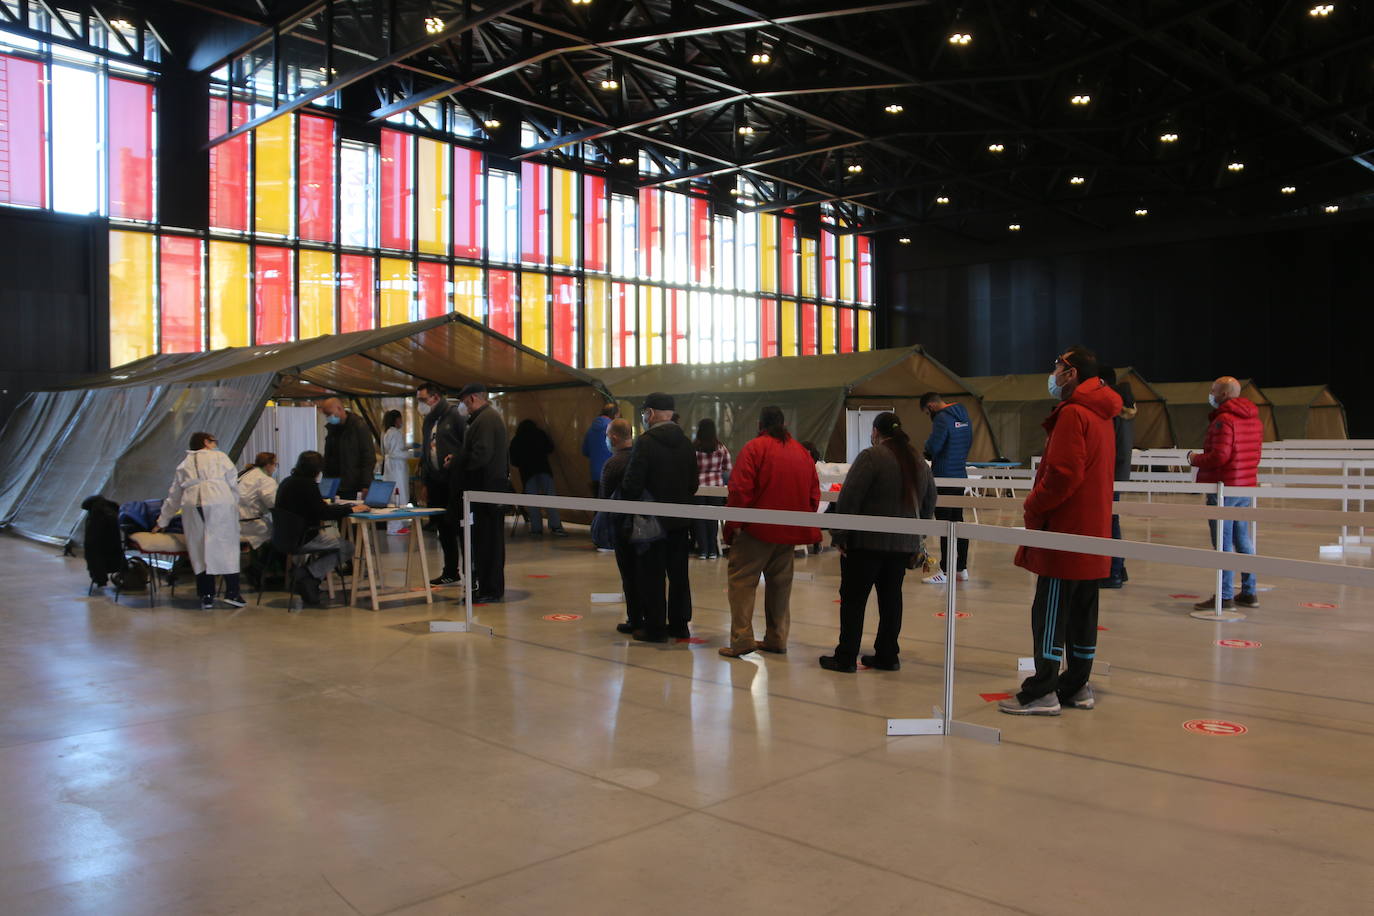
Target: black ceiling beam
(266,36)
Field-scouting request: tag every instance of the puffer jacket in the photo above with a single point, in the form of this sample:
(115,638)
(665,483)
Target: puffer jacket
(1235,439)
(951,436)
(1072,493)
(773,474)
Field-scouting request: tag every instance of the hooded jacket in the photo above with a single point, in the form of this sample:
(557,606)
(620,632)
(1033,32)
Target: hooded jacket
(663,463)
(951,436)
(1235,440)
(771,474)
(1072,493)
(594,446)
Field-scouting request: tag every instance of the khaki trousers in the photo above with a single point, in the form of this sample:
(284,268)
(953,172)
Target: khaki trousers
(748,557)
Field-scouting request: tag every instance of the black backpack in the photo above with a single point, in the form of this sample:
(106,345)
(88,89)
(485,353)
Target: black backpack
(103,541)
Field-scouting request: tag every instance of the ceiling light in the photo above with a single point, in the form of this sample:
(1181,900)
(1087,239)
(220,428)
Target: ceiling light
(610,84)
(434,25)
(744,130)
(491,123)
(1321,10)
(855,169)
(1168,138)
(581,2)
(1332,208)
(734,192)
(626,160)
(1080,100)
(960,38)
(894,108)
(1235,166)
(761,58)
(123,25)
(904,240)
(1014,227)
(1288,189)
(942,200)
(1077,179)
(1141,211)
(995,147)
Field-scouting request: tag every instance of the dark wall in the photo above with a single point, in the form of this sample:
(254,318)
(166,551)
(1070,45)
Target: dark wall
(53,278)
(1292,307)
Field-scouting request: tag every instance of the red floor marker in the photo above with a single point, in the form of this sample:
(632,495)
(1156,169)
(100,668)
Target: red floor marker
(994,697)
(562,618)
(1219,728)
(538,576)
(694,640)
(1102,628)
(1239,643)
(1181,597)
(958,615)
(1319,604)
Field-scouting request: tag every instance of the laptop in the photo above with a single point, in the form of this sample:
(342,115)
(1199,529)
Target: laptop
(379,494)
(329,487)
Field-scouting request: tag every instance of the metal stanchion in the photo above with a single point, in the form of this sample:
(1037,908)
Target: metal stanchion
(1216,614)
(469,623)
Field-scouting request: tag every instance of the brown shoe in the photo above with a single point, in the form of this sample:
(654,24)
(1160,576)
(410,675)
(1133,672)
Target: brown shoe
(776,650)
(1227,604)
(729,652)
(1245,599)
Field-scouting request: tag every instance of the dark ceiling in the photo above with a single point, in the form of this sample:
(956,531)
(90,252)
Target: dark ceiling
(1271,85)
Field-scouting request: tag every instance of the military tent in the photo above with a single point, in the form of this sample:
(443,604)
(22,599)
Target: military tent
(1307,412)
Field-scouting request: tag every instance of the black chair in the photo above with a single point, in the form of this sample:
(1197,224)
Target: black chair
(289,532)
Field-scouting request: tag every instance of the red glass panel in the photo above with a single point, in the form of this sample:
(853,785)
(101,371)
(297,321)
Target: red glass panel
(650,230)
(316,183)
(23,164)
(467,203)
(808,329)
(357,286)
(864,247)
(768,315)
(272,307)
(228,169)
(829,275)
(623,305)
(433,289)
(398,190)
(564,319)
(594,206)
(131,149)
(182,296)
(789,243)
(701,241)
(846,330)
(534,212)
(501,301)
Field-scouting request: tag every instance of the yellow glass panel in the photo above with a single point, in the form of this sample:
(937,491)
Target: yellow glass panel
(433,191)
(865,330)
(598,310)
(788,336)
(398,291)
(316,276)
(132,322)
(534,311)
(650,326)
(768,253)
(467,291)
(808,269)
(827,329)
(230,294)
(565,222)
(272,181)
(847,293)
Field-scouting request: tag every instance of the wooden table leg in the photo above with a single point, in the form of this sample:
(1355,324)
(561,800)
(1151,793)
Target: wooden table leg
(418,539)
(366,532)
(359,565)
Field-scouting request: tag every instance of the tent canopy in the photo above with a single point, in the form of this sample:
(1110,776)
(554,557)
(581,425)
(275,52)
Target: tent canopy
(1189,410)
(812,390)
(1307,412)
(122,433)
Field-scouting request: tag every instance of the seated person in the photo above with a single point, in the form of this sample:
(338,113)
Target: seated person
(299,494)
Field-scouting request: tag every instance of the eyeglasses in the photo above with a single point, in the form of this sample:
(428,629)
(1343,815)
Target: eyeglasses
(1062,363)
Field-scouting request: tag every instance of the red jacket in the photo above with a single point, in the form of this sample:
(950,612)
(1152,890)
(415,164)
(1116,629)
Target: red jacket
(770,474)
(1073,485)
(1235,438)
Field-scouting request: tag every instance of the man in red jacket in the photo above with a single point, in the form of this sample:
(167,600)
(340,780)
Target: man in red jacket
(1072,494)
(773,471)
(1231,455)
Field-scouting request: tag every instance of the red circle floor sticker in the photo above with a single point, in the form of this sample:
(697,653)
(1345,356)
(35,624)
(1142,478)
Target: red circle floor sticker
(958,615)
(1319,604)
(1216,727)
(1239,643)
(562,617)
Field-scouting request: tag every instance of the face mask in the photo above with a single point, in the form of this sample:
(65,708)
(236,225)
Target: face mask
(1056,389)
(610,446)
(424,408)
(463,410)
(333,421)
(1212,399)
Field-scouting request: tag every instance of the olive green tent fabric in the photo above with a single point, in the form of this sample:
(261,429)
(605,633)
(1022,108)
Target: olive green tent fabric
(1307,412)
(1152,429)
(123,432)
(813,392)
(1189,410)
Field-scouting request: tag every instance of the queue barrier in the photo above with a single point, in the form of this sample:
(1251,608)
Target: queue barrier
(942,721)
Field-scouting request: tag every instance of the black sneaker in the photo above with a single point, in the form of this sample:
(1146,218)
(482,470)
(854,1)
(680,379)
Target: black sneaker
(873,661)
(234,601)
(624,628)
(833,663)
(444,579)
(681,631)
(207,602)
(1110,582)
(1245,599)
(559,533)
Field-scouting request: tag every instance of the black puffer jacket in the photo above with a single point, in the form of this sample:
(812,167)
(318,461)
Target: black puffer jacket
(663,463)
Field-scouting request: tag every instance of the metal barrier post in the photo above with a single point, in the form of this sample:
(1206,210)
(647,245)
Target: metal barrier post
(468,624)
(951,614)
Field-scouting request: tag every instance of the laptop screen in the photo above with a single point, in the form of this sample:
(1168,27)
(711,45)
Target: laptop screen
(329,487)
(379,494)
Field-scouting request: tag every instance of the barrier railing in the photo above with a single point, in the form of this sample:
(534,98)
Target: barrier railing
(942,722)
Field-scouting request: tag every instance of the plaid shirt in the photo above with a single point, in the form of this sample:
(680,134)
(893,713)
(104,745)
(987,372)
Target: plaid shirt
(713,467)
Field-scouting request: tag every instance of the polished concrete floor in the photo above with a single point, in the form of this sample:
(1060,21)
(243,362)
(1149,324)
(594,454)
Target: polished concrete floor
(169,761)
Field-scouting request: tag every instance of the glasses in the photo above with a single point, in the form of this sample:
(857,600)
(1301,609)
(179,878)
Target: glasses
(1061,363)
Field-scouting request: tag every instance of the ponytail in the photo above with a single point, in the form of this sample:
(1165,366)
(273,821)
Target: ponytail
(913,467)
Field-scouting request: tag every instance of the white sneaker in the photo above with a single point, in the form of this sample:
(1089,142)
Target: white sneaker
(937,579)
(963,575)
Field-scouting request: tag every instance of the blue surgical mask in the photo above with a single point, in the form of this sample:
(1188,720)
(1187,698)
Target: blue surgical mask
(1056,389)
(333,420)
(1212,399)
(610,446)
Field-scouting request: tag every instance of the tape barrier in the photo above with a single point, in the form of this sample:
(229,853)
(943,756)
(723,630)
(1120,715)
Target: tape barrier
(1186,486)
(1328,517)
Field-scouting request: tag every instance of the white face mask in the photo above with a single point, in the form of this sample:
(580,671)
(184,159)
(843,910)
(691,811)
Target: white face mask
(463,410)
(424,408)
(1212,399)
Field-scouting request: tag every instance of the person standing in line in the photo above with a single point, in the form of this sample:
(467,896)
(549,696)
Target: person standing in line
(774,472)
(1071,494)
(713,470)
(530,449)
(663,466)
(205,490)
(1231,455)
(594,445)
(951,436)
(619,439)
(349,453)
(483,465)
(299,495)
(1124,426)
(441,436)
(396,466)
(887,479)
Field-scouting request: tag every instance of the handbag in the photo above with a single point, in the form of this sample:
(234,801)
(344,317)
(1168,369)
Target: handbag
(646,529)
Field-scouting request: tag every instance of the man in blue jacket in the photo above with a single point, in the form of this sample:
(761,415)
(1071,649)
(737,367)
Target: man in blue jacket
(951,435)
(596,446)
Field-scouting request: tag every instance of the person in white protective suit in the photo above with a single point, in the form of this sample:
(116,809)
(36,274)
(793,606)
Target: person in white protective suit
(396,466)
(257,496)
(205,490)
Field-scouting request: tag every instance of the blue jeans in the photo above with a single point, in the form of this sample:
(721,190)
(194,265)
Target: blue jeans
(1234,536)
(541,485)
